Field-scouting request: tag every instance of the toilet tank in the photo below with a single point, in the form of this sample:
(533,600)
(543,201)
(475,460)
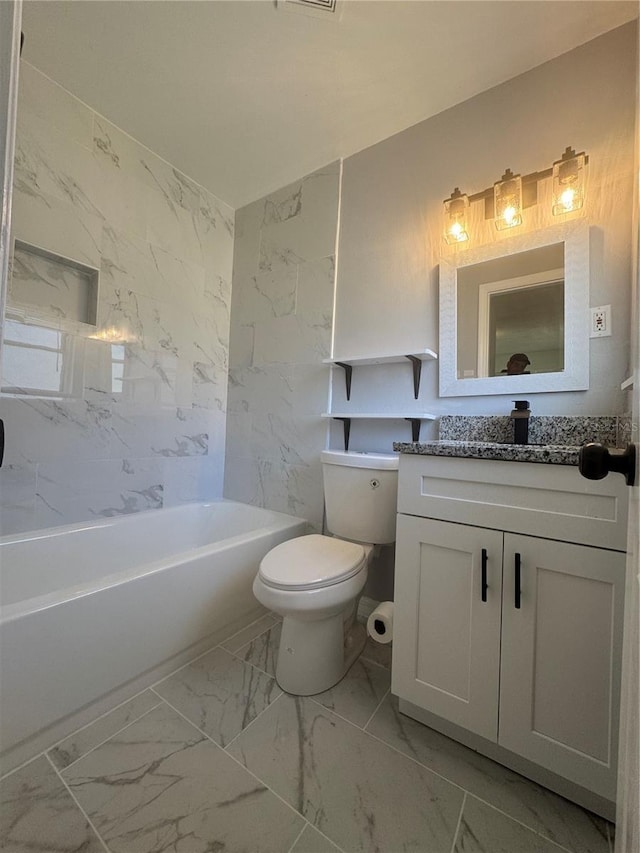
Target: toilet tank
(360,493)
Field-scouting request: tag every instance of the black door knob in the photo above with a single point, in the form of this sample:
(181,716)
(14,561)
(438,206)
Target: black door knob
(595,461)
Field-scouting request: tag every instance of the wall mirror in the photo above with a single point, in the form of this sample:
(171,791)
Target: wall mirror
(514,315)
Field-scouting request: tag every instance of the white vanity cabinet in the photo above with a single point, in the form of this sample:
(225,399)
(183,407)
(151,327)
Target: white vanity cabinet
(509,592)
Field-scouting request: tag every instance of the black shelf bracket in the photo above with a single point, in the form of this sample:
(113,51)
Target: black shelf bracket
(416,363)
(415,428)
(346,423)
(348,371)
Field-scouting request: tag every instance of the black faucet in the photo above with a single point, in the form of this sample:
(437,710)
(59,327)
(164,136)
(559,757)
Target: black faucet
(521,415)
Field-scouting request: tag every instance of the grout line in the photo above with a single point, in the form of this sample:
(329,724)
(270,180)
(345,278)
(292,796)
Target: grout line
(331,711)
(233,758)
(339,849)
(23,765)
(124,702)
(255,621)
(374,662)
(376,709)
(246,728)
(206,652)
(254,665)
(455,834)
(469,793)
(298,836)
(112,735)
(520,823)
(75,800)
(75,732)
(373,737)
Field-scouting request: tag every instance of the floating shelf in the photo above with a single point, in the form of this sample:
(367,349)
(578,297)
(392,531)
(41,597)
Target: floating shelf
(416,359)
(347,417)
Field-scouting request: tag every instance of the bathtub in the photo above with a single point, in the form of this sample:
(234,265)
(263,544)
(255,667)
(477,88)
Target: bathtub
(88,608)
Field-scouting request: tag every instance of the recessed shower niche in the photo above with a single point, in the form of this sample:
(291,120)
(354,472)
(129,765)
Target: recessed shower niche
(51,311)
(57,287)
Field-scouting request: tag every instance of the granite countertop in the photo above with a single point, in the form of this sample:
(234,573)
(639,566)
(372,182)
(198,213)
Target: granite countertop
(552,454)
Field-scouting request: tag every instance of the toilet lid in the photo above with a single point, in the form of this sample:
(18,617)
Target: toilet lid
(311,561)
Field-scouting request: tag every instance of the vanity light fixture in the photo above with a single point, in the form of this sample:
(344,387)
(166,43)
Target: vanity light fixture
(568,182)
(508,197)
(455,217)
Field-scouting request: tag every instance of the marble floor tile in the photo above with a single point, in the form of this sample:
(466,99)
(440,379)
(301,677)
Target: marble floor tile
(484,830)
(244,637)
(161,785)
(85,739)
(359,693)
(263,650)
(219,693)
(38,814)
(379,653)
(540,809)
(312,841)
(361,794)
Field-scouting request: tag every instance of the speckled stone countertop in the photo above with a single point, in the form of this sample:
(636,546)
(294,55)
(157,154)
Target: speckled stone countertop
(555,439)
(551,454)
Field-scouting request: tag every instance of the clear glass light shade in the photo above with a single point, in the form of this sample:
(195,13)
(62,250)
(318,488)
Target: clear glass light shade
(507,195)
(568,183)
(455,218)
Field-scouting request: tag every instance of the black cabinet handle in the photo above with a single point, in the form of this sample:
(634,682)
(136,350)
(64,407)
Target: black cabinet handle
(1,441)
(518,595)
(485,585)
(595,461)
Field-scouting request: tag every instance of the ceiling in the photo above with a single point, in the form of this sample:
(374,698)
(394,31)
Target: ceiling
(246,96)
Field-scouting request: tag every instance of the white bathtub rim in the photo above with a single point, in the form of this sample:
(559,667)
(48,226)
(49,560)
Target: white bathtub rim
(36,604)
(127,518)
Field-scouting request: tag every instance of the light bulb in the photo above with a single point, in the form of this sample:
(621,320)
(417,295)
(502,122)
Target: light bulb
(507,195)
(568,184)
(455,217)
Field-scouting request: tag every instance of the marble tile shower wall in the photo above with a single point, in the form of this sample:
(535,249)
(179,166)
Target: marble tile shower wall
(281,321)
(145,424)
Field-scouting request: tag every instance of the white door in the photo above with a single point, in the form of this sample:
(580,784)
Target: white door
(10,19)
(628,804)
(446,647)
(561,652)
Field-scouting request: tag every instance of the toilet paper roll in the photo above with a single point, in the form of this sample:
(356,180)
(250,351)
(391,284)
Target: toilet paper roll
(380,623)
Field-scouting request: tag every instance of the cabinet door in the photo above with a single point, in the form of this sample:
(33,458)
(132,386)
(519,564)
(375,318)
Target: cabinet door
(560,671)
(446,641)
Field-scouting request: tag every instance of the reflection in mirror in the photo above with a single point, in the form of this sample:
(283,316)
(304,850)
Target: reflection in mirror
(511,307)
(514,315)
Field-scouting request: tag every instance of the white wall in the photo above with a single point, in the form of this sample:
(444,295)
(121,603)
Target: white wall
(391,225)
(164,248)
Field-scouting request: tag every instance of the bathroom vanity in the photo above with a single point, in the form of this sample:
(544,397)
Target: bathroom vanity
(509,592)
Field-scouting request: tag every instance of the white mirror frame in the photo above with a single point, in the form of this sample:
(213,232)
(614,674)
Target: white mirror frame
(575,376)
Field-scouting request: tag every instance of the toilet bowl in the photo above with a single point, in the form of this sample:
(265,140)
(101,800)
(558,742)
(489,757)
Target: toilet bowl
(314,582)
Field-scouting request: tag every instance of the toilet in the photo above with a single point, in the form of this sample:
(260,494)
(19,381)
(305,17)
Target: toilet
(314,582)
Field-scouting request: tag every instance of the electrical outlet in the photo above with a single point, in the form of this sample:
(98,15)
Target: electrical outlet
(600,321)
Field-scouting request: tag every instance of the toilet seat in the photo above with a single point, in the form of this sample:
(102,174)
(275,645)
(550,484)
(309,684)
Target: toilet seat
(311,562)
